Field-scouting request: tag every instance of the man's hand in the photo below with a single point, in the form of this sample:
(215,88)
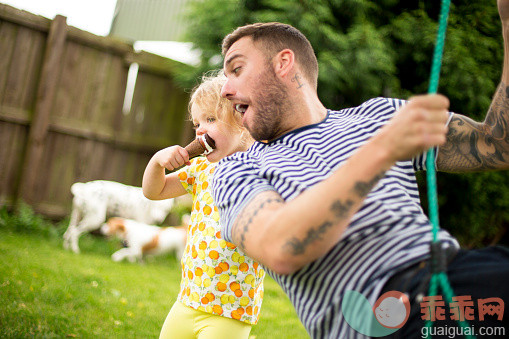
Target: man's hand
(416,127)
(503,10)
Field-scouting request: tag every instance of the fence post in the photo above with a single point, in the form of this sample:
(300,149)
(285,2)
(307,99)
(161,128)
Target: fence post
(43,104)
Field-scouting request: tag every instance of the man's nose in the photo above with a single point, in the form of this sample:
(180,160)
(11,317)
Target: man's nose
(227,90)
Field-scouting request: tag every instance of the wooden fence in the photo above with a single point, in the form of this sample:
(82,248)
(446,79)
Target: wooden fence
(61,119)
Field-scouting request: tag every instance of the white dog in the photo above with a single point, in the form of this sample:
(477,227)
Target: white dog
(142,239)
(95,201)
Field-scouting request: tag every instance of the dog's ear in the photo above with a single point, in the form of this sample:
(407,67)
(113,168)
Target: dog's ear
(121,227)
(117,225)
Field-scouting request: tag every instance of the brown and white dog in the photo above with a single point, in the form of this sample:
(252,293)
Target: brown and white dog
(142,239)
(95,201)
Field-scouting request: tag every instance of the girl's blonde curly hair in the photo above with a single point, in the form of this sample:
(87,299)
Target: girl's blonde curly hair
(207,96)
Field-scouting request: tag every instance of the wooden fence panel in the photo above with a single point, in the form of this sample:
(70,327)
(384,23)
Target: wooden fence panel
(21,50)
(12,138)
(61,120)
(157,112)
(47,86)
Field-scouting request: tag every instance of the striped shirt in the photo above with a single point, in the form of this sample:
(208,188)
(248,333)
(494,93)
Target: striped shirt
(388,233)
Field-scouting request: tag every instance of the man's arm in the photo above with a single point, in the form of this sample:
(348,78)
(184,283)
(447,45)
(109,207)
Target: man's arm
(473,146)
(285,236)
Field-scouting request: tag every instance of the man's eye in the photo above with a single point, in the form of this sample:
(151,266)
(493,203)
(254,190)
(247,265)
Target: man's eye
(236,70)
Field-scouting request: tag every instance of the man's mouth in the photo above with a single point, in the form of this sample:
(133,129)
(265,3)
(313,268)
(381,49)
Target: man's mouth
(241,108)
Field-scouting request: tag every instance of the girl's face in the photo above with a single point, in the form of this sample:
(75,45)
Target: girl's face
(227,138)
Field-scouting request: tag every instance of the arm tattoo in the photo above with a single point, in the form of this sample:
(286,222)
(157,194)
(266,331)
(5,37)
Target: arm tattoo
(340,211)
(473,146)
(363,188)
(245,219)
(296,246)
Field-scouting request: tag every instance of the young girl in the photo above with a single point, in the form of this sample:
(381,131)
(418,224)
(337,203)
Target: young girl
(221,289)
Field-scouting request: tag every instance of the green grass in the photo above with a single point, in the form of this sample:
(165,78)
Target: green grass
(48,292)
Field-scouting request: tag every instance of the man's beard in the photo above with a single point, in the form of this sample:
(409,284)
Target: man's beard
(271,103)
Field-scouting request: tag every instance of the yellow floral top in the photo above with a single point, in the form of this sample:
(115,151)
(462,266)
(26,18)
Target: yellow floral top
(216,276)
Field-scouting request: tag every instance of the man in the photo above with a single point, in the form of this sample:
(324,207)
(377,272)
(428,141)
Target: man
(327,200)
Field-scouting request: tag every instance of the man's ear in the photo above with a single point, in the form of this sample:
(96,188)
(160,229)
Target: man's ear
(284,62)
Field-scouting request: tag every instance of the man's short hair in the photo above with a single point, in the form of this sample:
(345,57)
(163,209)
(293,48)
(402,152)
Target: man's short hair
(273,37)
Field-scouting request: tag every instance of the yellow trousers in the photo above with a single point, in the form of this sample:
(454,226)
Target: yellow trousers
(184,322)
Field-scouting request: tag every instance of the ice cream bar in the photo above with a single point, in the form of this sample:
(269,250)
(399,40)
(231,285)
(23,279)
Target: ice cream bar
(203,144)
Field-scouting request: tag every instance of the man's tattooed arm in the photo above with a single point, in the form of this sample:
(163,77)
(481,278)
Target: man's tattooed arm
(473,146)
(341,210)
(244,221)
(285,235)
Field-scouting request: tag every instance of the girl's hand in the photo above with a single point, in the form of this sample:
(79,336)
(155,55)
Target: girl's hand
(172,157)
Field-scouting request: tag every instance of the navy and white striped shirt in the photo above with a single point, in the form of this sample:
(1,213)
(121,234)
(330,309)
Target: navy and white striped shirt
(388,233)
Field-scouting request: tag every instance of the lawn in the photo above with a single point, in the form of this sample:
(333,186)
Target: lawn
(48,292)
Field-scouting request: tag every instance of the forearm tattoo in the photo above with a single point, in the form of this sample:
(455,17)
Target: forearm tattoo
(298,246)
(340,209)
(473,146)
(363,188)
(245,219)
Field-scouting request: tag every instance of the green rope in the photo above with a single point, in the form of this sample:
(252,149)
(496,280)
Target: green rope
(438,279)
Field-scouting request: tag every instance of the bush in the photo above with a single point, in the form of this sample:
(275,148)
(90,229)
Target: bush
(25,220)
